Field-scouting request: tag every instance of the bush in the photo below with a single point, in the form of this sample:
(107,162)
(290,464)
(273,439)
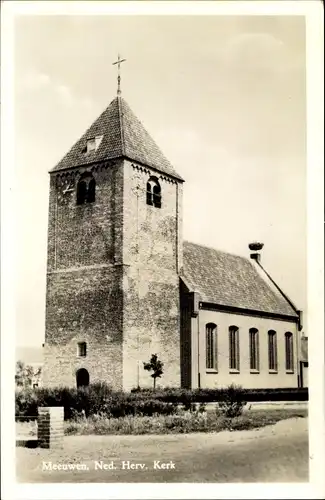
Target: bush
(101,399)
(232,402)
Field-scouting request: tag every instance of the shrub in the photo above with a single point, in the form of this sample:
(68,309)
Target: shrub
(99,398)
(232,402)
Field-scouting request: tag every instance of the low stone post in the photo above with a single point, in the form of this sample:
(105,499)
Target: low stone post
(50,426)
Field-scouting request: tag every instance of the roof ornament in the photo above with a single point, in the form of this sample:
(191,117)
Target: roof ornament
(118,62)
(256,247)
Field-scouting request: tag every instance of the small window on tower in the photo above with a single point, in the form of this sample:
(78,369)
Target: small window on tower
(82,349)
(94,143)
(153,192)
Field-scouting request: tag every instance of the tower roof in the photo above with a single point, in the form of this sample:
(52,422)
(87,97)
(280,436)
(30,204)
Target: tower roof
(123,135)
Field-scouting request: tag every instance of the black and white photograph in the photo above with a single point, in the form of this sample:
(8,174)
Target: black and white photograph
(163,313)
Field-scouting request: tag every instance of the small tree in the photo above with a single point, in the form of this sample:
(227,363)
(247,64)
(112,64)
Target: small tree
(156,366)
(26,374)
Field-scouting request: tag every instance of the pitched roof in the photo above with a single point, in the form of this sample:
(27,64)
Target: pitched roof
(123,136)
(230,280)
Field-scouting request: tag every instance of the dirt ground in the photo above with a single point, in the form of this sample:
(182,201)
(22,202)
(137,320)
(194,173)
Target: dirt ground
(277,453)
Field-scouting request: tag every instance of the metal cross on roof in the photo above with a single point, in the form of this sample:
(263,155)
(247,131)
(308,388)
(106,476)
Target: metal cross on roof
(118,62)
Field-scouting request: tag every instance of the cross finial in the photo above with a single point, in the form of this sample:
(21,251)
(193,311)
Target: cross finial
(118,62)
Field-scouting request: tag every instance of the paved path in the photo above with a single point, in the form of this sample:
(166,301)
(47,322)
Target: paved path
(276,453)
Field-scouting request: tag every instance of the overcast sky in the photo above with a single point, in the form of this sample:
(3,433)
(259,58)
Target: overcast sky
(224,98)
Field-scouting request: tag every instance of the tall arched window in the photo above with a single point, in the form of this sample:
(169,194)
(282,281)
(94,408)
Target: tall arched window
(289,351)
(86,189)
(153,192)
(273,351)
(254,354)
(234,348)
(211,346)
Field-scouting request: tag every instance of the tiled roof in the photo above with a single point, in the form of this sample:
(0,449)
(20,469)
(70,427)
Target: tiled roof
(230,280)
(123,136)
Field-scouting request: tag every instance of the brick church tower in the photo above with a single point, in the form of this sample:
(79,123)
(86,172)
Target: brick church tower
(114,257)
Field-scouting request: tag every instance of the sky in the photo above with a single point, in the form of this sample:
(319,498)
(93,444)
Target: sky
(224,98)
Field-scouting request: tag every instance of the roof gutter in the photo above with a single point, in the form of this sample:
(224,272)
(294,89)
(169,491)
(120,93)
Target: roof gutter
(247,312)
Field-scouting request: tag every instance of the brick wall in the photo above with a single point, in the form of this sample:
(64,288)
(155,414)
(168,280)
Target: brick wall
(113,271)
(50,430)
(84,299)
(152,256)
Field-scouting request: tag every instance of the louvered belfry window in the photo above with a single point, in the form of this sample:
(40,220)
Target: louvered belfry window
(273,352)
(254,349)
(234,348)
(289,351)
(211,346)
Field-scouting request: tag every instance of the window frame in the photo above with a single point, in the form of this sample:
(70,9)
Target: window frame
(289,368)
(254,350)
(82,347)
(234,349)
(211,330)
(272,351)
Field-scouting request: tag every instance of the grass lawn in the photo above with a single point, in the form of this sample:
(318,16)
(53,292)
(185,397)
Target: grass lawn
(183,423)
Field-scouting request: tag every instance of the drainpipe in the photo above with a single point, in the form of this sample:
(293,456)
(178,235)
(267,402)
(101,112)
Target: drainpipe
(195,314)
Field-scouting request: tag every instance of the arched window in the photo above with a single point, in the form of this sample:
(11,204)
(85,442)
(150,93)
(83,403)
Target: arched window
(86,189)
(82,349)
(289,351)
(153,192)
(91,191)
(82,378)
(273,351)
(211,346)
(234,348)
(254,354)
(81,192)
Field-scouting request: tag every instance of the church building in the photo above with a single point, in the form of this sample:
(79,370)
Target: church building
(122,284)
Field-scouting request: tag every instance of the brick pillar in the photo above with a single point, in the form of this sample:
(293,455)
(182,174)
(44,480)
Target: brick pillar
(50,426)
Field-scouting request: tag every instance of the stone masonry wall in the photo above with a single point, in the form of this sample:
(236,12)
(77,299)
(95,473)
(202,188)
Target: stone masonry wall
(152,256)
(84,300)
(113,278)
(84,306)
(83,235)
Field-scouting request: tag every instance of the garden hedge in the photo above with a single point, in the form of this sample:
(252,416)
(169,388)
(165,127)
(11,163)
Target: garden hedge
(99,398)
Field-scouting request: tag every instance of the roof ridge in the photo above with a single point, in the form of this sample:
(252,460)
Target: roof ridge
(121,120)
(217,250)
